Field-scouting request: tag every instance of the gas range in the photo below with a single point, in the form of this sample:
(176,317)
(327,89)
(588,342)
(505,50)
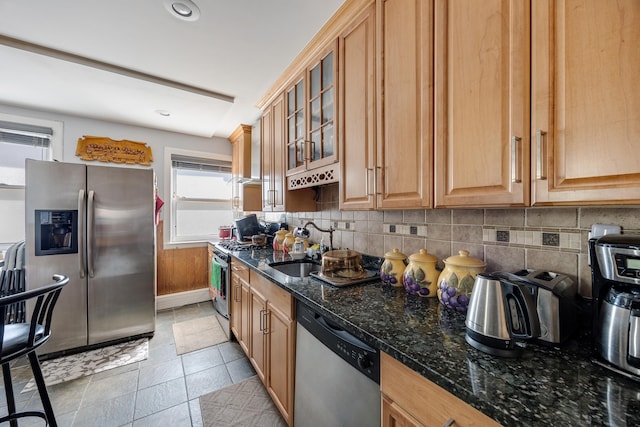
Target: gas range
(229,245)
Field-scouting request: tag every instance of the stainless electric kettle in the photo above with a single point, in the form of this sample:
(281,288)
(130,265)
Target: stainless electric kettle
(502,313)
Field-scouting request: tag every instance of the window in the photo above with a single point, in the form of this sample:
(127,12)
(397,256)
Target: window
(17,143)
(22,138)
(200,197)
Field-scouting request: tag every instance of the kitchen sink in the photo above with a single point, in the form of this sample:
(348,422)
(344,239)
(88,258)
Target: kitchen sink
(296,268)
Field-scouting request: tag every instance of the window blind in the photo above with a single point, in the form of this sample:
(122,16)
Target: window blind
(209,165)
(19,133)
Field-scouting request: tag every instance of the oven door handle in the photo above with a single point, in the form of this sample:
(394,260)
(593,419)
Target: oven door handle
(223,263)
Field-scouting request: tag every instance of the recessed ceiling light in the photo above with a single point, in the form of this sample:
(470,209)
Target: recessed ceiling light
(183,9)
(164,113)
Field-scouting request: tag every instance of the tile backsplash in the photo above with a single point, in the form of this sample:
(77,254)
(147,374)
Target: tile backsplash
(509,239)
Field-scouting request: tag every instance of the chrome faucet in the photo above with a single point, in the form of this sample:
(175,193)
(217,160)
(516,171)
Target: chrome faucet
(330,230)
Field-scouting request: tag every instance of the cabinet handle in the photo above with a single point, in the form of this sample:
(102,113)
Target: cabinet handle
(236,293)
(366,181)
(515,163)
(449,422)
(541,170)
(378,177)
(263,321)
(309,156)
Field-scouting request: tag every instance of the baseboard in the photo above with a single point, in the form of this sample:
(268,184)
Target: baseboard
(164,302)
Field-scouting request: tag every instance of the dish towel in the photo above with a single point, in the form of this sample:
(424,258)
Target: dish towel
(216,270)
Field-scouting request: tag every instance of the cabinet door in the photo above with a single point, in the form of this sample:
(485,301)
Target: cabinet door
(482,155)
(394,416)
(267,151)
(321,108)
(257,349)
(236,307)
(357,112)
(405,99)
(279,183)
(295,128)
(245,318)
(273,155)
(280,354)
(586,101)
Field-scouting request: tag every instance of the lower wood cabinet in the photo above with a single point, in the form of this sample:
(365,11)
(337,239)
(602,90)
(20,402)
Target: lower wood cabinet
(263,321)
(409,399)
(240,303)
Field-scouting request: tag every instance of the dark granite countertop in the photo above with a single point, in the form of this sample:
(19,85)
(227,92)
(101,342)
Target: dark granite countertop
(545,386)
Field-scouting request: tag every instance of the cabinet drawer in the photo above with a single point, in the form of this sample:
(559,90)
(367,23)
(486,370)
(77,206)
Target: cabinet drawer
(424,400)
(240,270)
(276,296)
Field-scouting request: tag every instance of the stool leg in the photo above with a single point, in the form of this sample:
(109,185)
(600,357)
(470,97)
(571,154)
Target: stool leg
(42,389)
(8,391)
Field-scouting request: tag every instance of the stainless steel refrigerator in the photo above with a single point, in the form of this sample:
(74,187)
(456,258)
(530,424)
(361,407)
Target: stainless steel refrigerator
(95,224)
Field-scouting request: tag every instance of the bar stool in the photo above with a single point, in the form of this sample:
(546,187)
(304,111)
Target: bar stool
(19,339)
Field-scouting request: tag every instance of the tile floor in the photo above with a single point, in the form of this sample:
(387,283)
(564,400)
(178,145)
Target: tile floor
(162,390)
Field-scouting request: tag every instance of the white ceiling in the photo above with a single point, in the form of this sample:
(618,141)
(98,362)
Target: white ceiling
(237,48)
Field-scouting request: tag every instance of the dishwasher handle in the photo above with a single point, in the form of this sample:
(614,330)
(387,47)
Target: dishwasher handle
(340,333)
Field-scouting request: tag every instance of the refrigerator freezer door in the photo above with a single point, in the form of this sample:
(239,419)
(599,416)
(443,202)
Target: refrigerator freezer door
(121,262)
(56,186)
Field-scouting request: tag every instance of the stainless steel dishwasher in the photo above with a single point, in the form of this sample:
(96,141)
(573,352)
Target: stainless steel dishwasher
(337,375)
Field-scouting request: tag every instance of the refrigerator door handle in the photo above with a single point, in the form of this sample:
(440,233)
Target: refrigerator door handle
(81,236)
(90,225)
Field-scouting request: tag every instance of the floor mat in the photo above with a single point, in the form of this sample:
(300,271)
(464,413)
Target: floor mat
(245,404)
(196,334)
(90,362)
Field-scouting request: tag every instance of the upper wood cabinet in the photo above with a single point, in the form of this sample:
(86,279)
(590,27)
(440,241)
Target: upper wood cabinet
(245,197)
(310,115)
(481,103)
(585,102)
(240,140)
(275,197)
(386,107)
(356,100)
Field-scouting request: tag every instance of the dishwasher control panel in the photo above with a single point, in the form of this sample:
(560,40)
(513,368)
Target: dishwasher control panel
(354,351)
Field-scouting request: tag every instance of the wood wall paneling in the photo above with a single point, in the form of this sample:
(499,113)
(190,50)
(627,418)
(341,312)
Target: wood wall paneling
(180,270)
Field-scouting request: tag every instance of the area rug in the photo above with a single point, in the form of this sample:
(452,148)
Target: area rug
(245,404)
(197,334)
(91,362)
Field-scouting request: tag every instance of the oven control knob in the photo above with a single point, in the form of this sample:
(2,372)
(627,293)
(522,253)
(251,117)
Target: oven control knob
(364,362)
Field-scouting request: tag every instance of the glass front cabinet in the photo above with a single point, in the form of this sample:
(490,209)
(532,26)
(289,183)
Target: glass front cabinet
(310,120)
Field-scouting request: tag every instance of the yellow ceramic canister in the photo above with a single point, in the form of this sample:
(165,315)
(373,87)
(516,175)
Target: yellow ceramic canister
(455,283)
(392,268)
(287,244)
(421,277)
(278,239)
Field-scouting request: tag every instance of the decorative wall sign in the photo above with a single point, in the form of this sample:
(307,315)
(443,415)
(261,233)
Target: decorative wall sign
(106,149)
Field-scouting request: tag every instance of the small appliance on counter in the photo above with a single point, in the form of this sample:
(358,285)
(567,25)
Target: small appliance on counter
(502,313)
(556,304)
(615,267)
(247,227)
(508,309)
